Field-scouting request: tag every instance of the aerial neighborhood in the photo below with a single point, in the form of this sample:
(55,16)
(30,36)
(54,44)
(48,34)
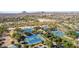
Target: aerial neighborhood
(39,30)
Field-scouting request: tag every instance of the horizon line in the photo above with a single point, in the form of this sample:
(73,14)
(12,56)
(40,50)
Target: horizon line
(32,11)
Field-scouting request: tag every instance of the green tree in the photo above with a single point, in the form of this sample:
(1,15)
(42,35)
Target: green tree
(2,29)
(72,34)
(16,35)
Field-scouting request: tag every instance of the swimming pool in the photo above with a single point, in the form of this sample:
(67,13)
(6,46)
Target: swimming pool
(58,33)
(33,39)
(28,30)
(77,32)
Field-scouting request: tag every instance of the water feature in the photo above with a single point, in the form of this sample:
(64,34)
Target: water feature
(28,30)
(58,33)
(33,39)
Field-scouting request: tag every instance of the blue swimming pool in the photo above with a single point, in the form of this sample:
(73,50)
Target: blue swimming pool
(33,39)
(77,32)
(28,30)
(58,33)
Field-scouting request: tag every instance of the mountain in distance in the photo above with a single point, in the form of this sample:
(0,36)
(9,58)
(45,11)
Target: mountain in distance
(37,13)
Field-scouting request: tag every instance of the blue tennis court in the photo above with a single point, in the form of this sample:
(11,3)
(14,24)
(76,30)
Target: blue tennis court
(33,39)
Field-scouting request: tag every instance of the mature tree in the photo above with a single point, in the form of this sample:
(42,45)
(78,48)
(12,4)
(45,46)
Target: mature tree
(72,34)
(16,35)
(2,29)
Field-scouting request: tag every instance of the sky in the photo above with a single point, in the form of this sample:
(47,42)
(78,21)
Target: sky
(38,5)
